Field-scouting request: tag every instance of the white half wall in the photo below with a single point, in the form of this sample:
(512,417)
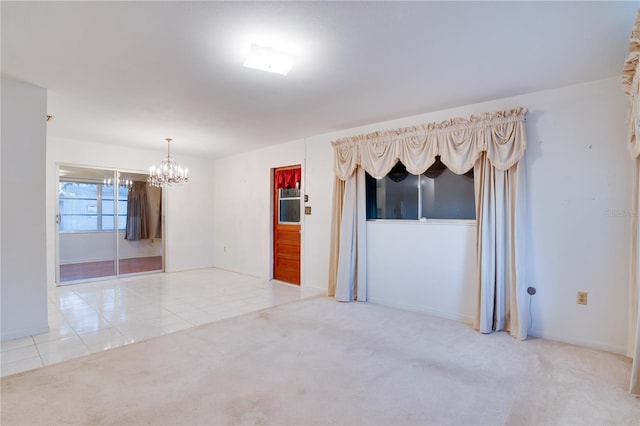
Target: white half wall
(187,212)
(428,267)
(23,255)
(579,178)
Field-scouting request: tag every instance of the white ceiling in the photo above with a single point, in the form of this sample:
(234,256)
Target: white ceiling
(133,73)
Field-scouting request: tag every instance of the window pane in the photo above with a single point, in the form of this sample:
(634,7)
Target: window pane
(393,197)
(107,222)
(107,191)
(290,210)
(443,194)
(122,222)
(123,193)
(448,196)
(78,223)
(78,190)
(78,206)
(122,207)
(107,206)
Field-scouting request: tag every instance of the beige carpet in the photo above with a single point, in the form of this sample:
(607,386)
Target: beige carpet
(318,361)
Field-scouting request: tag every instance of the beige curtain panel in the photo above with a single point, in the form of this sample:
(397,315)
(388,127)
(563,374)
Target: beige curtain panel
(631,84)
(493,145)
(634,288)
(500,236)
(336,219)
(137,227)
(351,280)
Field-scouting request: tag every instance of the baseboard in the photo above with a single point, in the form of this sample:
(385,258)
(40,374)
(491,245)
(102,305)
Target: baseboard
(223,269)
(468,320)
(620,350)
(23,333)
(321,291)
(455,316)
(89,260)
(101,259)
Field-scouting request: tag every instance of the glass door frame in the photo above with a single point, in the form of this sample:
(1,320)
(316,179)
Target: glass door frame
(115,233)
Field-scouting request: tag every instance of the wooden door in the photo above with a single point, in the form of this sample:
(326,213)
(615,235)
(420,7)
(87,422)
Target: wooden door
(287,218)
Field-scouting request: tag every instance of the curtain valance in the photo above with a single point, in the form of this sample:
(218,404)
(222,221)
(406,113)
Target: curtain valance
(288,178)
(459,142)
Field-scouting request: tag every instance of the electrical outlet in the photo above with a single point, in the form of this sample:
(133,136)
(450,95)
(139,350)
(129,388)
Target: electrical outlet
(582,297)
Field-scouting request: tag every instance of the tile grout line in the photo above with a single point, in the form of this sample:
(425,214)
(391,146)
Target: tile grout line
(33,339)
(236,298)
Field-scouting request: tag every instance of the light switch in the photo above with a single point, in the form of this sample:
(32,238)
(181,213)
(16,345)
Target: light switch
(307,210)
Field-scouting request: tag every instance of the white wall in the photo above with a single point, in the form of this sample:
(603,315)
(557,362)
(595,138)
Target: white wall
(579,176)
(189,209)
(79,247)
(23,256)
(243,211)
(138,248)
(319,186)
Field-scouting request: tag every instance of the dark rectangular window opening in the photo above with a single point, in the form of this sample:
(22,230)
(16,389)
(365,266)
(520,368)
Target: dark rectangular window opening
(438,193)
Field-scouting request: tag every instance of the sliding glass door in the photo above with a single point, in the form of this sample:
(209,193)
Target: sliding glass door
(96,209)
(140,237)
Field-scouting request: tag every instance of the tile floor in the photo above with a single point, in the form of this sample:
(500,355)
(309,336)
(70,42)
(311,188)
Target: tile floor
(93,317)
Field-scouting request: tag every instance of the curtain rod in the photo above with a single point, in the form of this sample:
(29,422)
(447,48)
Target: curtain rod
(473,121)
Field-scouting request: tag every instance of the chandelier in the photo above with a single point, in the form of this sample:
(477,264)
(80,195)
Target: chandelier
(123,183)
(168,173)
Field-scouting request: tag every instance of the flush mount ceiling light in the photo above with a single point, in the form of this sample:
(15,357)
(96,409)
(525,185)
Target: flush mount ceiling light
(269,59)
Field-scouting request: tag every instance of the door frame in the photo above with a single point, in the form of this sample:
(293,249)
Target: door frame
(116,172)
(273,213)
